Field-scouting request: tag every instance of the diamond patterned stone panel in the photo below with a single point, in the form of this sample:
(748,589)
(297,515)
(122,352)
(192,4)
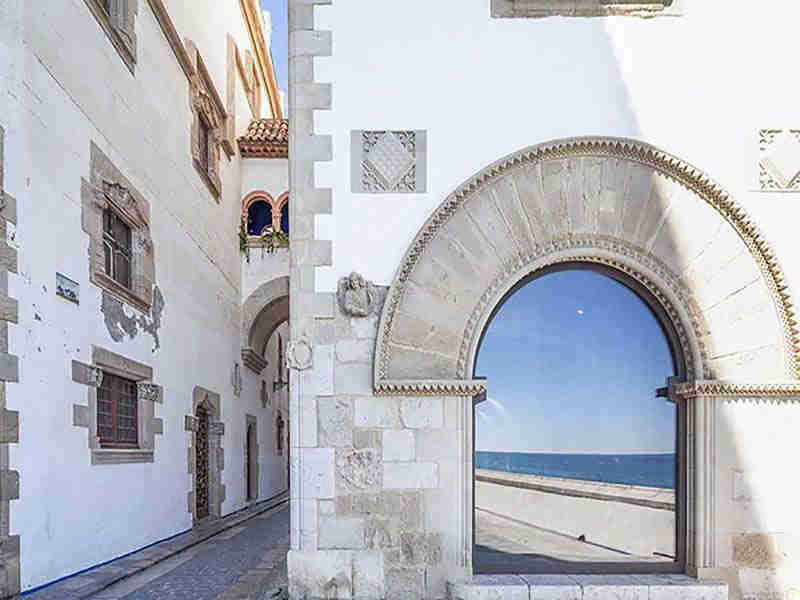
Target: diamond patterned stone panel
(389,161)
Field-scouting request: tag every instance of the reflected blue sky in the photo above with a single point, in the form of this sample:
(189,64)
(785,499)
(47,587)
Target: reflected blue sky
(573,360)
(280,40)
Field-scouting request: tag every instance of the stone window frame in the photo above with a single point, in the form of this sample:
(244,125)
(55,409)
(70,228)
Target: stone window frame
(536,9)
(107,188)
(206,104)
(276,204)
(212,402)
(119,25)
(248,421)
(148,395)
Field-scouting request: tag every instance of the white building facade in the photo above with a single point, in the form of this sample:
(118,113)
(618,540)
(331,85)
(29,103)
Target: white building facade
(445,152)
(132,411)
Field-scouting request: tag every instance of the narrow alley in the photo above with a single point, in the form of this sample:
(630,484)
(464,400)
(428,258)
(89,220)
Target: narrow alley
(245,559)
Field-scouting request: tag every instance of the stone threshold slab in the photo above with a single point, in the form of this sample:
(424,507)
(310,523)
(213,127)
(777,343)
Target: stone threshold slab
(90,582)
(586,587)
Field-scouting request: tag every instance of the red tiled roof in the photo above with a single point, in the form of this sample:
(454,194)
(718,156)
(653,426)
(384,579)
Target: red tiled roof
(266,138)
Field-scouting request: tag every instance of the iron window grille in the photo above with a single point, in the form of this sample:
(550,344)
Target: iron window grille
(117,252)
(117,412)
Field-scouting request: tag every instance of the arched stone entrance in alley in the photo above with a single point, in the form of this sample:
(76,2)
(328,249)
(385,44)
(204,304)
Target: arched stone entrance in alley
(661,226)
(262,313)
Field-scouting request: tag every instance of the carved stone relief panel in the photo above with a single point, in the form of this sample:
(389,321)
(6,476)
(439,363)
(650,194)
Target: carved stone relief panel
(389,161)
(779,160)
(357,297)
(586,8)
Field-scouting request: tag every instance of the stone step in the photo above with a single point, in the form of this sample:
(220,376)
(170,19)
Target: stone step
(586,587)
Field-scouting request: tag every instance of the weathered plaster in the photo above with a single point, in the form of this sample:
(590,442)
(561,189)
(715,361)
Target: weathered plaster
(119,323)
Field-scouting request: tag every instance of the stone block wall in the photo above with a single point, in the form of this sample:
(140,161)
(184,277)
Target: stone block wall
(380,479)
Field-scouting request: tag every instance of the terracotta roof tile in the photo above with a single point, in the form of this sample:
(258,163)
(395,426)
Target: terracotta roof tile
(266,138)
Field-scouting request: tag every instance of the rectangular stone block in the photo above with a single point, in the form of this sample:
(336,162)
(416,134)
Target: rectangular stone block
(422,413)
(421,548)
(404,584)
(341,533)
(377,411)
(323,574)
(307,420)
(367,438)
(437,444)
(369,580)
(490,587)
(8,258)
(310,42)
(335,422)
(358,471)
(316,472)
(9,485)
(410,475)
(323,370)
(355,351)
(158,426)
(601,587)
(354,379)
(9,309)
(553,587)
(9,367)
(10,432)
(398,445)
(80,415)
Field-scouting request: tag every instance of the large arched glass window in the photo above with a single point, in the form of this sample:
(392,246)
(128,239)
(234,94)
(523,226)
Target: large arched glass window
(576,455)
(259,217)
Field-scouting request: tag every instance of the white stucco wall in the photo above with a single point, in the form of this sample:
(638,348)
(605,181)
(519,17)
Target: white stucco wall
(485,87)
(265,175)
(69,88)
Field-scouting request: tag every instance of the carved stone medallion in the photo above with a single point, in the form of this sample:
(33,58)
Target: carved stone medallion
(298,355)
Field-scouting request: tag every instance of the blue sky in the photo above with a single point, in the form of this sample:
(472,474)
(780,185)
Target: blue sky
(280,40)
(573,360)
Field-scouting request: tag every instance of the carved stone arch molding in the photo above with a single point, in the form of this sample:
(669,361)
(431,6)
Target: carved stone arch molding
(617,202)
(263,311)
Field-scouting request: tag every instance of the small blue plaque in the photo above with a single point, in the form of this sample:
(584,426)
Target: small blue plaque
(68,289)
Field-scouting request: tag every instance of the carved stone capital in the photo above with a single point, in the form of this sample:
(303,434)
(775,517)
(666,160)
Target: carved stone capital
(150,392)
(357,297)
(299,355)
(216,428)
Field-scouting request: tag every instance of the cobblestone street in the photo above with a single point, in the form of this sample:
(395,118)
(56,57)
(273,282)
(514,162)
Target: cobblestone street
(247,561)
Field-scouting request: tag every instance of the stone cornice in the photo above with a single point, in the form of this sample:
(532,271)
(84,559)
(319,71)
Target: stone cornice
(252,18)
(431,387)
(788,391)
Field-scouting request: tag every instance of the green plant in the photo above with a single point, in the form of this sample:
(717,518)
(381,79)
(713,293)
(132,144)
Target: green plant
(244,247)
(270,240)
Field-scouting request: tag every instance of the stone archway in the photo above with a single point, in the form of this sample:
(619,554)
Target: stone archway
(624,205)
(263,311)
(616,202)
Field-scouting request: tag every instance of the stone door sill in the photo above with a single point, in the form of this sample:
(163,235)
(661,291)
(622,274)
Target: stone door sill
(586,587)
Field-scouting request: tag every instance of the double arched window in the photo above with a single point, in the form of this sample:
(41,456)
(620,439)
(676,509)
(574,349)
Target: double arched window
(261,212)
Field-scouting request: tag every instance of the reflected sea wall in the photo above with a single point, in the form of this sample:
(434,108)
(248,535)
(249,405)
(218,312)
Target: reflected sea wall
(638,520)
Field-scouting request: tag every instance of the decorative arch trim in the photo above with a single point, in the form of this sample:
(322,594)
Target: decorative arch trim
(263,311)
(254,197)
(568,153)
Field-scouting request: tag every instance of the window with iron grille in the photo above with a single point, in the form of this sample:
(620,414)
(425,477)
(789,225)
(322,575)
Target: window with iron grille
(117,248)
(117,419)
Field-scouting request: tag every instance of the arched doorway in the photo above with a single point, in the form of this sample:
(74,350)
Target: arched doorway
(578,454)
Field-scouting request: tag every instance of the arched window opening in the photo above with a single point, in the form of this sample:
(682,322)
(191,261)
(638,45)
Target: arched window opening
(259,217)
(578,464)
(285,217)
